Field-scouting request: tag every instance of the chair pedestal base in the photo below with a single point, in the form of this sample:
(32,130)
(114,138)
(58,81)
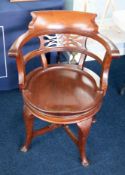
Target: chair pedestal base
(83,132)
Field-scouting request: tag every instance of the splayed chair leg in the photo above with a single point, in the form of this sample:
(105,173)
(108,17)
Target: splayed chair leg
(28,119)
(84,128)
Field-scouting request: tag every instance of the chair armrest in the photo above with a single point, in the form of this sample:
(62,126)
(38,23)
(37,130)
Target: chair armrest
(111,52)
(14,50)
(113,49)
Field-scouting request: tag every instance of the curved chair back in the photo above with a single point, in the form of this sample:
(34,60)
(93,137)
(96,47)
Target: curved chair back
(65,31)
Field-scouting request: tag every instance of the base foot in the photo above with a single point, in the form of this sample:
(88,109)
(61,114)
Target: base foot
(85,163)
(24,149)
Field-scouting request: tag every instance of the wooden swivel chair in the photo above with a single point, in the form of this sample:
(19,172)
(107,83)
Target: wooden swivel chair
(62,94)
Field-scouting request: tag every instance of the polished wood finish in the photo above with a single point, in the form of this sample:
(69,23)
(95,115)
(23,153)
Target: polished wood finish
(84,128)
(71,134)
(55,99)
(62,94)
(28,119)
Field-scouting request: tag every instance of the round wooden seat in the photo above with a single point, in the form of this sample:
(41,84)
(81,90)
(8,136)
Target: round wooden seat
(55,91)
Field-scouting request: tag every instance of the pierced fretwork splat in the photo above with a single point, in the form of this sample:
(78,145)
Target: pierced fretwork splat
(66,40)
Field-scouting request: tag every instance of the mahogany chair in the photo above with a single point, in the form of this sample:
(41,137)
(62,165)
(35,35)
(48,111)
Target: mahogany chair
(62,94)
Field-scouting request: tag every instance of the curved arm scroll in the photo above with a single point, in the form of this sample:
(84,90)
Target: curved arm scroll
(111,52)
(18,44)
(113,49)
(15,51)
